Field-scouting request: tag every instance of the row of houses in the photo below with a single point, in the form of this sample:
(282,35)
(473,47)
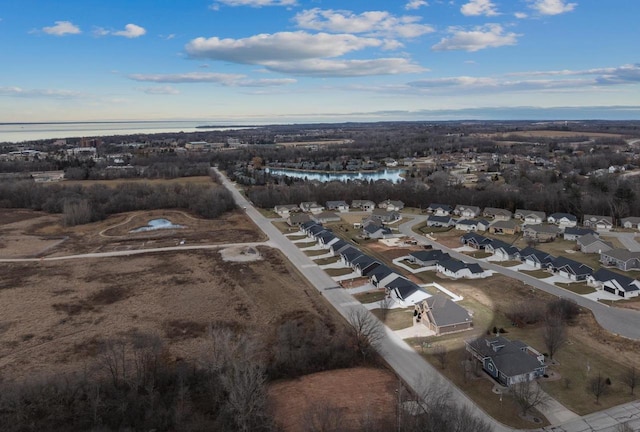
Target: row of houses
(603,279)
(313,207)
(444,264)
(531,217)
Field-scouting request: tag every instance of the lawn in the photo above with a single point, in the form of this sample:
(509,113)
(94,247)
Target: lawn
(478,254)
(370,296)
(411,265)
(285,227)
(507,263)
(333,272)
(329,260)
(396,319)
(538,274)
(315,252)
(268,213)
(578,288)
(306,244)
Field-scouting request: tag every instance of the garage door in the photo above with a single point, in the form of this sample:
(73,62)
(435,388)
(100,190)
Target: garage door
(609,289)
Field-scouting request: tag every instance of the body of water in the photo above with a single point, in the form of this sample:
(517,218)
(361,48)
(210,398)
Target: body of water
(157,224)
(20,132)
(392,175)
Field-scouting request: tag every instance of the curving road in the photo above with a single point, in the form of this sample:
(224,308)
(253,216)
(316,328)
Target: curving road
(624,322)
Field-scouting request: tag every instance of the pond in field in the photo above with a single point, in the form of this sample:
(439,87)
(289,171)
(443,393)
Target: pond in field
(394,176)
(157,224)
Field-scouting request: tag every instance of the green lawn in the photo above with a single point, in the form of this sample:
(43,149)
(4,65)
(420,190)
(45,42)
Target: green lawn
(578,288)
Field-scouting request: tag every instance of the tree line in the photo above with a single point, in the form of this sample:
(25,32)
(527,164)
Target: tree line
(83,204)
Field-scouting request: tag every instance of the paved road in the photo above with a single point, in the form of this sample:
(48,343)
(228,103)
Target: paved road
(624,322)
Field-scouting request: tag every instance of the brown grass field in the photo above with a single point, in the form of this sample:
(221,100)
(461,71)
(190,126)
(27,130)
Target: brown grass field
(117,182)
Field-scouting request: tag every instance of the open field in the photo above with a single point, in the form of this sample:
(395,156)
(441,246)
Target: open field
(351,393)
(28,234)
(554,133)
(118,182)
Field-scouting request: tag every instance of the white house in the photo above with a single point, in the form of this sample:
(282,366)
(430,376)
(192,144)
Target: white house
(614,283)
(599,223)
(631,222)
(563,220)
(466,211)
(466,225)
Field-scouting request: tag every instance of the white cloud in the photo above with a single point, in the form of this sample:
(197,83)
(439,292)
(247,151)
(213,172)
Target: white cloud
(62,28)
(164,90)
(346,68)
(551,7)
(487,36)
(370,23)
(520,15)
(252,3)
(284,46)
(624,74)
(415,4)
(38,93)
(99,32)
(479,7)
(131,31)
(229,80)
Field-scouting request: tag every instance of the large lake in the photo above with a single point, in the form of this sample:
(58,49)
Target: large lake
(19,132)
(393,175)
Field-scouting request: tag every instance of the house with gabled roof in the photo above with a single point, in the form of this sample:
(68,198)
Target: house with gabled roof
(340,206)
(535,258)
(574,233)
(391,205)
(339,246)
(631,222)
(466,225)
(386,216)
(380,275)
(326,217)
(457,269)
(285,209)
(297,219)
(508,227)
(474,240)
(530,217)
(372,231)
(621,258)
(466,211)
(427,258)
(349,254)
(364,205)
(311,207)
(598,223)
(592,244)
(440,221)
(483,225)
(508,362)
(502,251)
(360,263)
(443,316)
(440,209)
(314,230)
(327,238)
(405,292)
(614,283)
(570,269)
(542,232)
(497,213)
(563,220)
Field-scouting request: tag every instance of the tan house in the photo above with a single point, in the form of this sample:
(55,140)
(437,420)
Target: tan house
(442,315)
(508,227)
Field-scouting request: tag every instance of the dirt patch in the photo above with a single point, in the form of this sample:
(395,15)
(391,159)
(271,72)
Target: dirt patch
(64,305)
(240,254)
(27,234)
(348,393)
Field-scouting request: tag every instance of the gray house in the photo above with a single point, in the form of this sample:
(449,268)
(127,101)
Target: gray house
(592,244)
(631,222)
(621,258)
(598,223)
(443,316)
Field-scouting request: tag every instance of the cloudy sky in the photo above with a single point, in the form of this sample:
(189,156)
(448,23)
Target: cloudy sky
(317,60)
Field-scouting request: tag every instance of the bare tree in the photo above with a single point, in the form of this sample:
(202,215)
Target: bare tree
(630,378)
(554,333)
(323,417)
(528,395)
(385,304)
(598,386)
(365,330)
(441,354)
(246,395)
(113,357)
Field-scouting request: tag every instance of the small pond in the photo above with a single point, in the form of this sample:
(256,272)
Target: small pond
(394,175)
(157,224)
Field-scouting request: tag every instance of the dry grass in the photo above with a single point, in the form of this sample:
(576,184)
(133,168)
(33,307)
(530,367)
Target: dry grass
(370,296)
(578,288)
(396,319)
(196,180)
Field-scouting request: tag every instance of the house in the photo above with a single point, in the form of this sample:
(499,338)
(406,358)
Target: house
(339,246)
(440,209)
(530,217)
(311,207)
(621,258)
(379,274)
(563,220)
(360,263)
(405,292)
(592,244)
(542,233)
(325,217)
(474,240)
(631,222)
(535,258)
(391,205)
(364,205)
(457,269)
(286,209)
(483,225)
(466,225)
(571,269)
(314,230)
(385,215)
(508,362)
(306,226)
(372,231)
(298,219)
(574,233)
(599,223)
(443,316)
(428,258)
(502,250)
(466,211)
(340,206)
(508,227)
(614,283)
(349,254)
(496,213)
(327,238)
(440,221)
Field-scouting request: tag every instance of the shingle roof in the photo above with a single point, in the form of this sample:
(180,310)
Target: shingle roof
(574,266)
(445,312)
(625,282)
(429,255)
(509,358)
(622,254)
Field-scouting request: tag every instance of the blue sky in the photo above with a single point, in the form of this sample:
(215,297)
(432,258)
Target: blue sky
(318,60)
